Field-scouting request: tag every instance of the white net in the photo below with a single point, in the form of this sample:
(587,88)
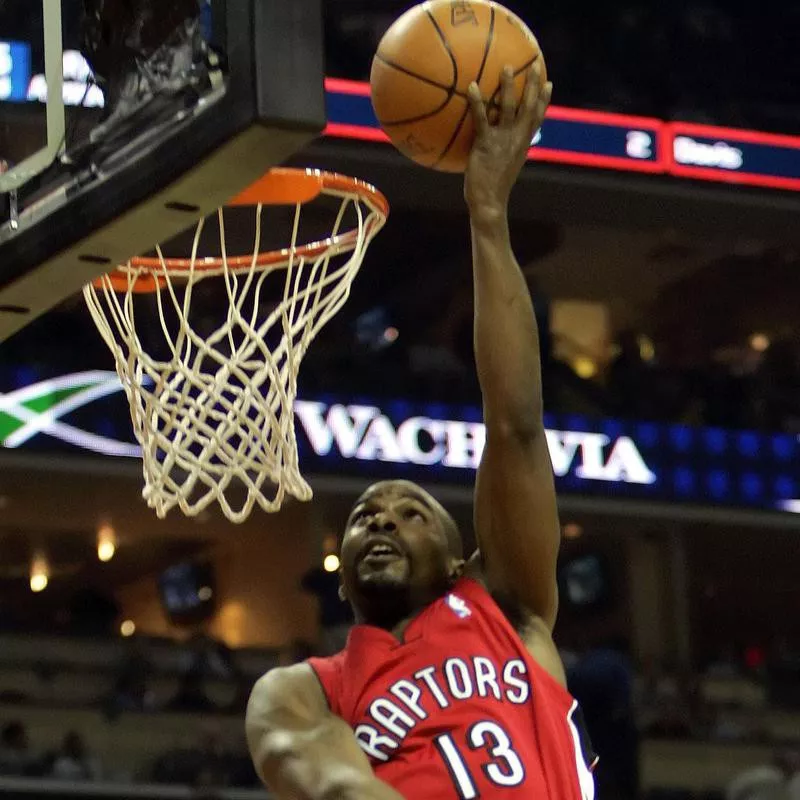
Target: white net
(212,402)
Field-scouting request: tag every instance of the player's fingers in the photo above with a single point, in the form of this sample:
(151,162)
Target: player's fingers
(544,100)
(533,97)
(508,102)
(541,109)
(533,86)
(478,109)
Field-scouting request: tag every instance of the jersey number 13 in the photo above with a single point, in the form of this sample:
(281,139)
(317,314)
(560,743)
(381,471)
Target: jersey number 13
(504,767)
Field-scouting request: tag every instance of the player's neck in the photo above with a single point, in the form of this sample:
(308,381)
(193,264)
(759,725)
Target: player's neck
(393,611)
(397,628)
(394,621)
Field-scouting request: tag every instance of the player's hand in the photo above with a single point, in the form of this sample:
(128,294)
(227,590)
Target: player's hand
(500,150)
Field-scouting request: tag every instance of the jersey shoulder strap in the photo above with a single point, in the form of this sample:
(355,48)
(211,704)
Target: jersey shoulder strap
(329,674)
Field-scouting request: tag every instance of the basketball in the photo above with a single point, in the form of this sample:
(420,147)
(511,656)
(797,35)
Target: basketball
(425,64)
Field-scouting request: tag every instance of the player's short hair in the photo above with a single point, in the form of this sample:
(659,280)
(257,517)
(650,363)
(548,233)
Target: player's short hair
(454,541)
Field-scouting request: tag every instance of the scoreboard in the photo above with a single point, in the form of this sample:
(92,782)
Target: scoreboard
(617,141)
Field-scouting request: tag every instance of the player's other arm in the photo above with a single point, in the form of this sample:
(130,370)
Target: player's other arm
(300,750)
(515,503)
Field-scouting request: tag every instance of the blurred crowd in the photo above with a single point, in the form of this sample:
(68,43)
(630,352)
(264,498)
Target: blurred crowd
(725,701)
(731,702)
(71,760)
(208,765)
(744,695)
(694,60)
(753,386)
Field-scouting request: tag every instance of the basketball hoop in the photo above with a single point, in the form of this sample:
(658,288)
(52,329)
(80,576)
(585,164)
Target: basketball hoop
(213,408)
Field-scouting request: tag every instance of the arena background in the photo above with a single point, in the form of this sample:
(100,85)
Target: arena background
(659,234)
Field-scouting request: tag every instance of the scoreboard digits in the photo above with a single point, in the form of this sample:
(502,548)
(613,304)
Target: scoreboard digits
(15,70)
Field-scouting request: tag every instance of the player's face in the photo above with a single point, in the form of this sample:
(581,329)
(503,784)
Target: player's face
(395,554)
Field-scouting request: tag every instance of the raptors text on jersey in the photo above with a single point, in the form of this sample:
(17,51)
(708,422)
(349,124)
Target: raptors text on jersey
(459,709)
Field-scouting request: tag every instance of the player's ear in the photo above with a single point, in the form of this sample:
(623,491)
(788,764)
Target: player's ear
(342,592)
(456,568)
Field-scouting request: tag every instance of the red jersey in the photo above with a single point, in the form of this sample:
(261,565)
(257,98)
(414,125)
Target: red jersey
(459,709)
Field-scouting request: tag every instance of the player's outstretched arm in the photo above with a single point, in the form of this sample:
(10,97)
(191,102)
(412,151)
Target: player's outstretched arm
(300,750)
(516,517)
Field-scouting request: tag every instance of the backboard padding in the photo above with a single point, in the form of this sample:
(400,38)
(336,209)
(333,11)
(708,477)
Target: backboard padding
(155,219)
(131,201)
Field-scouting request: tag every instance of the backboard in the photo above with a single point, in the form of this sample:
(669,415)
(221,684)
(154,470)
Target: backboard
(123,122)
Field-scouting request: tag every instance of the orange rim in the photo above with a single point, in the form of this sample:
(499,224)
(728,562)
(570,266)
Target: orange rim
(280,186)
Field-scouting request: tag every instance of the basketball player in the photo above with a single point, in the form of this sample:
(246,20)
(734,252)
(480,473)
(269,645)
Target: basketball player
(450,686)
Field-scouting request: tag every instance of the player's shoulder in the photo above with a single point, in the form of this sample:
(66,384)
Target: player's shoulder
(284,702)
(295,686)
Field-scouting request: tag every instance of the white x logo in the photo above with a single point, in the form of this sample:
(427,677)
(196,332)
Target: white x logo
(86,387)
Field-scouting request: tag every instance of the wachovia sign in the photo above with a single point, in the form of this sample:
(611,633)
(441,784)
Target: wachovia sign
(605,457)
(365,433)
(87,412)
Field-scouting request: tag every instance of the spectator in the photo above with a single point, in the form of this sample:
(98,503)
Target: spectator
(777,781)
(212,658)
(602,681)
(73,761)
(191,695)
(202,766)
(130,691)
(778,383)
(15,755)
(630,379)
(93,613)
(208,659)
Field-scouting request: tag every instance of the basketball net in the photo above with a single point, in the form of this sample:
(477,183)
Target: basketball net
(213,410)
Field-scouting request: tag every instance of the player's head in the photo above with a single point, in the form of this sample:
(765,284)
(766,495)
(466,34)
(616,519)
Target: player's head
(400,550)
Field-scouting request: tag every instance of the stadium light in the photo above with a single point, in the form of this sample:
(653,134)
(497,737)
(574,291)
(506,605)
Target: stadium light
(40,573)
(106,543)
(331,562)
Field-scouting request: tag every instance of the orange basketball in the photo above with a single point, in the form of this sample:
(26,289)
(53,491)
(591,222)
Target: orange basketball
(425,64)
